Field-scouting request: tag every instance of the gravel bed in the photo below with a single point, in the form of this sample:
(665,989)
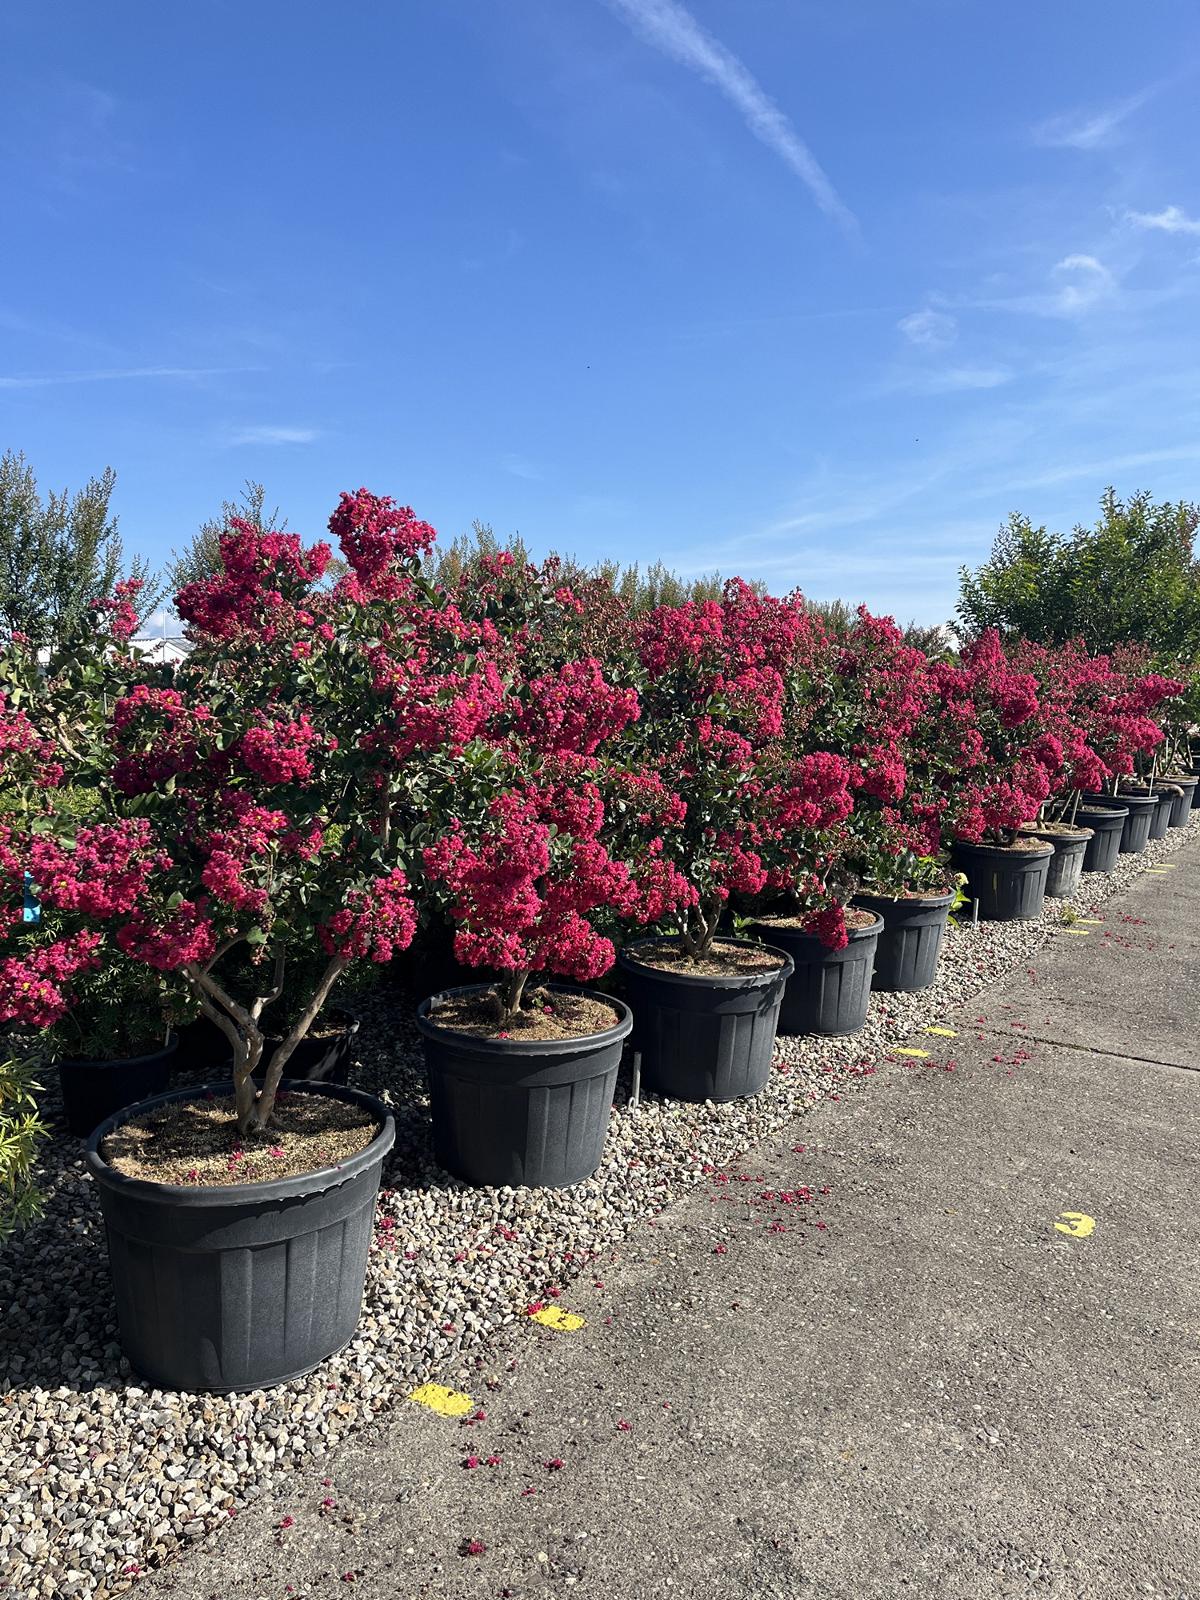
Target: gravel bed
(102,1479)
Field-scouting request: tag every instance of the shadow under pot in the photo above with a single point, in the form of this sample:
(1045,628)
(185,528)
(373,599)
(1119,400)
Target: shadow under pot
(829,992)
(322,1056)
(94,1090)
(910,941)
(1009,881)
(521,1111)
(1181,808)
(1103,848)
(244,1285)
(1135,830)
(1069,844)
(706,1031)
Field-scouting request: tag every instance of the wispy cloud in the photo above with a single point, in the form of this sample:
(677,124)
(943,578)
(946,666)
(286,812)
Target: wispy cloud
(671,28)
(520,467)
(45,380)
(1083,281)
(270,434)
(1089,130)
(928,327)
(1169,220)
(954,380)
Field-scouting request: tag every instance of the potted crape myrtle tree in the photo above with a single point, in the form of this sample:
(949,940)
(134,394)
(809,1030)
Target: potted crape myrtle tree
(1123,730)
(101,1018)
(832,944)
(875,709)
(281,776)
(522,1070)
(706,1004)
(1069,682)
(999,764)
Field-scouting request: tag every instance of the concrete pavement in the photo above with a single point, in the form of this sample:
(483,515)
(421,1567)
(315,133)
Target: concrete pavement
(941,1342)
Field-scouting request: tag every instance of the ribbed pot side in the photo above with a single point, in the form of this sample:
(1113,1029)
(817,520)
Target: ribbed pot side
(702,1037)
(830,990)
(1010,885)
(520,1111)
(1065,871)
(1107,824)
(910,942)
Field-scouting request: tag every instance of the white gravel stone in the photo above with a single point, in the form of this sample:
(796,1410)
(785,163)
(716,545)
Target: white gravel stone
(101,1479)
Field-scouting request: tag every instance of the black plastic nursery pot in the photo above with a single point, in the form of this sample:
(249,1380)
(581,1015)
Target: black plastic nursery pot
(323,1058)
(1065,872)
(94,1090)
(245,1285)
(1009,884)
(704,1036)
(1107,824)
(910,941)
(520,1111)
(1160,818)
(1135,830)
(203,1048)
(830,990)
(1181,808)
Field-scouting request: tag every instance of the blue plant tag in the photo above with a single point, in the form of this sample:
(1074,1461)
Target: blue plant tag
(32,911)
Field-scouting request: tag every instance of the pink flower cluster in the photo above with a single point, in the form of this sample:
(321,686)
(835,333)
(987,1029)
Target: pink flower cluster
(376,923)
(380,541)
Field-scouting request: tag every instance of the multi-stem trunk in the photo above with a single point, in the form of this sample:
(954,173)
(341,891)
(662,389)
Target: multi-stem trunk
(241,1026)
(510,992)
(700,928)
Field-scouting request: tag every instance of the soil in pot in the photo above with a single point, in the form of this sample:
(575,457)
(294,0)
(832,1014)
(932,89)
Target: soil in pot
(1070,844)
(93,1090)
(1009,881)
(195,1142)
(829,992)
(705,1030)
(241,1285)
(914,926)
(529,1103)
(1107,824)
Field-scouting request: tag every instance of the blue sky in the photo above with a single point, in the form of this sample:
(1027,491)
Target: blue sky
(817,293)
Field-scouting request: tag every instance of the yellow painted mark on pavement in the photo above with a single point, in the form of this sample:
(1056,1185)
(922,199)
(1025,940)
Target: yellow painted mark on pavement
(1168,866)
(1078,933)
(945,1033)
(1155,870)
(556,1317)
(1076,1224)
(910,1052)
(446,1402)
(1096,922)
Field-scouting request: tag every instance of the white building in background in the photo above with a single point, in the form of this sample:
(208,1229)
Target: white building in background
(169,649)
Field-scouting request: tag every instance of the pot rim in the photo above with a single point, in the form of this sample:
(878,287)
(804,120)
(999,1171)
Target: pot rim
(1130,801)
(933,898)
(735,980)
(1074,836)
(1005,851)
(852,934)
(167,1049)
(232,1194)
(1120,812)
(352,1024)
(537,1047)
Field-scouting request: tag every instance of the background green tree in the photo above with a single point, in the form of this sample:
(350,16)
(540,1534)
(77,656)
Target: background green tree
(1133,578)
(59,554)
